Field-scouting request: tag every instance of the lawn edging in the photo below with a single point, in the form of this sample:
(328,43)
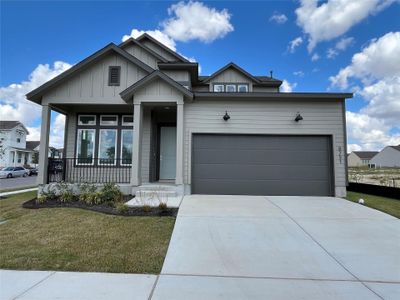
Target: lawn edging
(377,190)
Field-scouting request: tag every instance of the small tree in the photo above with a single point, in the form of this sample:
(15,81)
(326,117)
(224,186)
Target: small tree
(2,150)
(35,157)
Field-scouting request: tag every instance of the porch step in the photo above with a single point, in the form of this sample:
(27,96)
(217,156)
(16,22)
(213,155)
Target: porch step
(155,193)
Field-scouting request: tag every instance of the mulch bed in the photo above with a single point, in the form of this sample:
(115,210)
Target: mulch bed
(104,208)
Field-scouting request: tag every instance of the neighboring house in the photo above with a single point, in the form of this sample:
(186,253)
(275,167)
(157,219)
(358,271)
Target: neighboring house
(388,157)
(34,146)
(360,158)
(139,114)
(14,151)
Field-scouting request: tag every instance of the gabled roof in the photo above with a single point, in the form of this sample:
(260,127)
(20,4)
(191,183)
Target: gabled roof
(140,45)
(128,93)
(395,147)
(8,125)
(365,154)
(31,145)
(170,51)
(260,80)
(191,67)
(37,93)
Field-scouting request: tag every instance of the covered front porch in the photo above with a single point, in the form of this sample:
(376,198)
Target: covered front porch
(131,145)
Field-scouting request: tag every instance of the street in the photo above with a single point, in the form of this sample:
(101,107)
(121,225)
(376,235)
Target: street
(11,183)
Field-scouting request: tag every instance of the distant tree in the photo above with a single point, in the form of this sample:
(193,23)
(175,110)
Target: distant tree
(2,150)
(35,157)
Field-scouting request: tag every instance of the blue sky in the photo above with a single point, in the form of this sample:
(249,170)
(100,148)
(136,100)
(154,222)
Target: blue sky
(34,33)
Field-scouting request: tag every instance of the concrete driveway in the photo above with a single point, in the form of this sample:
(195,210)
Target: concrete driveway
(242,247)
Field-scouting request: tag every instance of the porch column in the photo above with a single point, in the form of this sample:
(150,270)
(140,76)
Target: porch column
(179,143)
(44,145)
(136,149)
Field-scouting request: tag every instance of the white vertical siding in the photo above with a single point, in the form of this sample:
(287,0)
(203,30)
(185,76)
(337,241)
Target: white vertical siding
(160,51)
(146,136)
(142,55)
(267,117)
(231,76)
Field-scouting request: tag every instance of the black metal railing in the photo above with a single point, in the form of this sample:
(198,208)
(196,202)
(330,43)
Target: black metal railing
(91,170)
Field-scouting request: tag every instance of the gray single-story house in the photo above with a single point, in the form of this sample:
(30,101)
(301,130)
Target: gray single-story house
(139,114)
(360,158)
(388,157)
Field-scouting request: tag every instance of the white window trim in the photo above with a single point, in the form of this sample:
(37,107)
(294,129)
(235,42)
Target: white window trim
(115,147)
(101,120)
(127,123)
(81,124)
(77,149)
(243,84)
(122,143)
(230,85)
(223,88)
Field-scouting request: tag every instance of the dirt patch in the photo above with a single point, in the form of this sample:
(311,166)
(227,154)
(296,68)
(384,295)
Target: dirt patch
(105,208)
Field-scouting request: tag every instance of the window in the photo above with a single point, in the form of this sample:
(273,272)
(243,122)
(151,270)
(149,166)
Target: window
(87,120)
(18,140)
(107,146)
(126,146)
(230,88)
(19,157)
(219,88)
(243,88)
(111,120)
(114,74)
(127,120)
(85,146)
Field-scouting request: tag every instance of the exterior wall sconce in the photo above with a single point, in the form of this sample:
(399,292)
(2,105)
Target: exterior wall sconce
(226,117)
(298,117)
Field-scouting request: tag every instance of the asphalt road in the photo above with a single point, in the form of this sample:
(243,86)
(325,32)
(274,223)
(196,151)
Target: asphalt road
(10,183)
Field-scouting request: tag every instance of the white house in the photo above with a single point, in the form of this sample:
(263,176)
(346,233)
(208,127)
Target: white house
(388,157)
(360,158)
(13,144)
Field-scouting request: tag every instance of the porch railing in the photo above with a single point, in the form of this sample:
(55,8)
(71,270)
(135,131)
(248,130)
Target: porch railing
(93,170)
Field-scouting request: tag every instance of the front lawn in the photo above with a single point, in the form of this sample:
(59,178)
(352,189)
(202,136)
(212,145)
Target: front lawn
(386,205)
(72,239)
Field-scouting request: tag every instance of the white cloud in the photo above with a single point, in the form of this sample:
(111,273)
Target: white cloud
(341,45)
(370,133)
(334,18)
(196,21)
(294,44)
(13,104)
(373,62)
(353,147)
(331,53)
(298,73)
(287,87)
(189,21)
(315,57)
(278,18)
(157,34)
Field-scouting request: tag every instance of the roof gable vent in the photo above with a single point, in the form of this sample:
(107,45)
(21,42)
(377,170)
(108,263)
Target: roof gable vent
(114,75)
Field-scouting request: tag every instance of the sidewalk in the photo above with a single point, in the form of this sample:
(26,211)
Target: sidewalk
(44,285)
(17,192)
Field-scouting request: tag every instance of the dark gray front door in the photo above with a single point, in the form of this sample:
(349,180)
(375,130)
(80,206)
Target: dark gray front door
(261,165)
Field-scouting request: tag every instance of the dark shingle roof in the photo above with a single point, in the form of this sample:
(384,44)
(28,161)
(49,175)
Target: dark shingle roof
(396,147)
(32,144)
(366,154)
(8,124)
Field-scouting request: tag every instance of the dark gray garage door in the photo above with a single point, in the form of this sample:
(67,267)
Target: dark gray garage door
(261,165)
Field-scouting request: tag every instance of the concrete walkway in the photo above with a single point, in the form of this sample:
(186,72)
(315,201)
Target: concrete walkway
(242,247)
(17,192)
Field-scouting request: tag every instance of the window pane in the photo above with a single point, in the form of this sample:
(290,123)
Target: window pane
(127,120)
(108,120)
(87,120)
(85,146)
(231,88)
(218,88)
(243,88)
(107,146)
(126,147)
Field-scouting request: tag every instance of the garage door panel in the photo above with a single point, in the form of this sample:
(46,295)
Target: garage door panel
(257,172)
(270,157)
(261,164)
(263,187)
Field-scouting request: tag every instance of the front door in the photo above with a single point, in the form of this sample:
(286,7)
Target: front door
(167,153)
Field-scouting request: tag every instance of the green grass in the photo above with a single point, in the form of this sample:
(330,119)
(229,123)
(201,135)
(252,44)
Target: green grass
(72,239)
(17,189)
(386,205)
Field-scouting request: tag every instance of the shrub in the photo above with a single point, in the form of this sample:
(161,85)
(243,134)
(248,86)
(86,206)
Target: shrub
(122,208)
(47,194)
(65,191)
(111,193)
(163,206)
(87,193)
(147,208)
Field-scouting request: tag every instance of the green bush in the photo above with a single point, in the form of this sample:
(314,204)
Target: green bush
(111,193)
(87,193)
(65,192)
(163,206)
(122,208)
(47,194)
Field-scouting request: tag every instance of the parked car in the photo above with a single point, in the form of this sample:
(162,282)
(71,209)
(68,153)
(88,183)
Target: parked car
(10,172)
(32,171)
